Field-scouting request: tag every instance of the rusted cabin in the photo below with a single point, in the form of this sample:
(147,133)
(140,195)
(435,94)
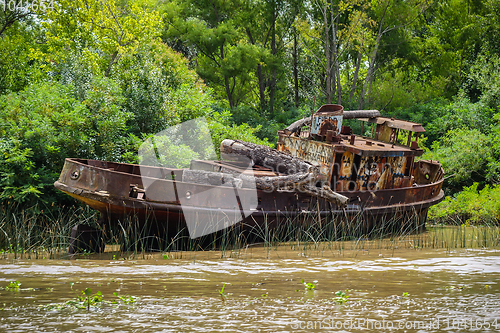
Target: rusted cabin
(382,156)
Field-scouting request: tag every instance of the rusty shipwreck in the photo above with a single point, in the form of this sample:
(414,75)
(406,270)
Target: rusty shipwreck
(319,170)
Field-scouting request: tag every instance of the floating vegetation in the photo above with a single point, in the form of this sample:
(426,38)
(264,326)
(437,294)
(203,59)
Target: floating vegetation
(459,288)
(13,286)
(16,286)
(341,297)
(85,299)
(124,299)
(309,285)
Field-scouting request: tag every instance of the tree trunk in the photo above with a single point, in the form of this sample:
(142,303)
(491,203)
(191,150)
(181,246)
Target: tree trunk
(369,73)
(355,78)
(335,56)
(262,86)
(267,157)
(228,92)
(300,181)
(373,57)
(302,176)
(328,83)
(298,124)
(272,84)
(113,59)
(339,86)
(211,178)
(295,69)
(353,114)
(372,77)
(260,76)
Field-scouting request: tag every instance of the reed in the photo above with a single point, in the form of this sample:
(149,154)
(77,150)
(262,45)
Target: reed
(45,233)
(40,231)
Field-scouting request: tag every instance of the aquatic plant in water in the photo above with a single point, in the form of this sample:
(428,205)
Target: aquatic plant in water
(460,288)
(16,286)
(223,296)
(341,297)
(309,285)
(85,299)
(125,299)
(13,286)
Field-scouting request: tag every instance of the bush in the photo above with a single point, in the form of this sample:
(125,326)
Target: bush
(159,89)
(268,125)
(466,156)
(38,126)
(440,116)
(221,128)
(461,113)
(471,206)
(43,124)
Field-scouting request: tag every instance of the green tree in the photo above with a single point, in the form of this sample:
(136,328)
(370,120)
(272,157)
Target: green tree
(11,13)
(18,68)
(389,15)
(103,31)
(224,59)
(159,88)
(269,25)
(44,123)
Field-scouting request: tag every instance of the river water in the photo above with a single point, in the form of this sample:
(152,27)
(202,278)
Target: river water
(258,289)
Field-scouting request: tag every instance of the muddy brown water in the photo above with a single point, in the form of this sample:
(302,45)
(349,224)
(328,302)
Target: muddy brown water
(393,289)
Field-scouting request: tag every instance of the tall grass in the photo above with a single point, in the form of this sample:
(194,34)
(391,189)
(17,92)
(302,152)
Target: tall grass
(38,233)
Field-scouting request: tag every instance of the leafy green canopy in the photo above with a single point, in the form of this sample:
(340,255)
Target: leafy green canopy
(103,84)
(44,123)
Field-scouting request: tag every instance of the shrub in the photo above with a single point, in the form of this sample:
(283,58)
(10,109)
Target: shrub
(221,128)
(44,123)
(467,157)
(470,205)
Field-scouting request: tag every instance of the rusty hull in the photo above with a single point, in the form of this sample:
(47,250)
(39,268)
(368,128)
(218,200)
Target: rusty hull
(116,190)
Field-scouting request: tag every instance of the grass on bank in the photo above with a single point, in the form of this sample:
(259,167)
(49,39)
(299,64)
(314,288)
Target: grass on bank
(35,234)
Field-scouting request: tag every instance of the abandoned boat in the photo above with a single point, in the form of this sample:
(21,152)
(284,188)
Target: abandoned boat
(320,169)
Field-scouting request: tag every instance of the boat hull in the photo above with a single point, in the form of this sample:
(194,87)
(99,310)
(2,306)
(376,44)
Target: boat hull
(116,191)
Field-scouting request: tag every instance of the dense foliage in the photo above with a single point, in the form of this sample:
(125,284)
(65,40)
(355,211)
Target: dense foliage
(472,205)
(82,94)
(94,79)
